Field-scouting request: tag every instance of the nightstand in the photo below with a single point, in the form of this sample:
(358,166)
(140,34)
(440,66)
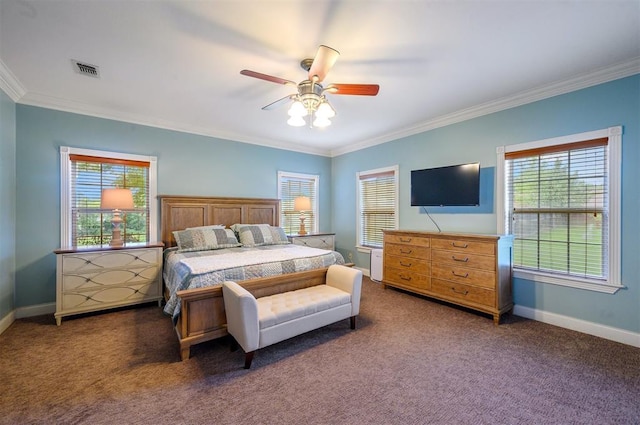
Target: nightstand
(98,278)
(315,240)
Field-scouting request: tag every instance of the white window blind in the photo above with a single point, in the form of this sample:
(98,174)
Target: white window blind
(90,225)
(290,186)
(377,205)
(557,199)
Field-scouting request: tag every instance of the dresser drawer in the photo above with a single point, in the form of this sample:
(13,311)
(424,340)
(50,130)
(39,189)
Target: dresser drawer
(408,240)
(463,292)
(315,241)
(483,248)
(109,259)
(109,296)
(412,251)
(406,278)
(109,277)
(475,277)
(465,259)
(414,265)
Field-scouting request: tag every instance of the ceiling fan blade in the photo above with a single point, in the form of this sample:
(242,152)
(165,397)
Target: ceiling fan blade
(266,77)
(278,103)
(354,89)
(322,63)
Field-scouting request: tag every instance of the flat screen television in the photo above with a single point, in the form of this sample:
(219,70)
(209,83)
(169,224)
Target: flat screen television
(455,185)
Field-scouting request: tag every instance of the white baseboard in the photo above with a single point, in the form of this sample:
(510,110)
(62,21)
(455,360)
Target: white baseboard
(35,310)
(607,332)
(7,320)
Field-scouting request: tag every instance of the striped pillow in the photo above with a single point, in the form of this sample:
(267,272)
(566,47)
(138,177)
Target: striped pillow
(204,239)
(251,235)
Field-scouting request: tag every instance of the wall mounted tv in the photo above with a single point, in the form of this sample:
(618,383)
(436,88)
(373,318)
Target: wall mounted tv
(455,185)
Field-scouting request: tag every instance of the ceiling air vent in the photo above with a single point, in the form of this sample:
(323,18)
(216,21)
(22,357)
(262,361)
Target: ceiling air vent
(86,69)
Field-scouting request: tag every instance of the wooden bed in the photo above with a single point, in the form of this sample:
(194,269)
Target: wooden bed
(202,316)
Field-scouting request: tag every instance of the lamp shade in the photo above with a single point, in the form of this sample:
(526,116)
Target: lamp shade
(302,203)
(116,199)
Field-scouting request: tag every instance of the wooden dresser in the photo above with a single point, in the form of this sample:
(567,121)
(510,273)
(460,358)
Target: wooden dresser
(99,278)
(470,270)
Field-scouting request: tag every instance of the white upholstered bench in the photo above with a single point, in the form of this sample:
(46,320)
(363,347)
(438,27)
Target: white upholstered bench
(257,323)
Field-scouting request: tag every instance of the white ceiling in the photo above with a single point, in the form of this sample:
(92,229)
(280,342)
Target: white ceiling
(176,64)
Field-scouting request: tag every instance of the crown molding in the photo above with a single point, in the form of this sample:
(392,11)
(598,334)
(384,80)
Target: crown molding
(603,75)
(10,84)
(65,105)
(14,89)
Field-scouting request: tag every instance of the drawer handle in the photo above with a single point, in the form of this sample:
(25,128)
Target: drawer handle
(405,265)
(464,245)
(463,292)
(409,251)
(405,240)
(463,260)
(466,275)
(405,277)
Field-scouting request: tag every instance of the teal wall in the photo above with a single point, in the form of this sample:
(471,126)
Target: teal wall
(187,165)
(606,105)
(198,165)
(7,203)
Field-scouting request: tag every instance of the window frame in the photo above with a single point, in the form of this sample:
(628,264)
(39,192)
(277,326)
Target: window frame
(65,188)
(612,283)
(315,199)
(396,219)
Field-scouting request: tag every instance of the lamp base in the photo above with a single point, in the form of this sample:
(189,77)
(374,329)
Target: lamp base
(302,230)
(116,237)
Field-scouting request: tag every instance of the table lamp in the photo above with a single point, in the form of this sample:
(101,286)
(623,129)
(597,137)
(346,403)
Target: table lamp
(116,200)
(302,204)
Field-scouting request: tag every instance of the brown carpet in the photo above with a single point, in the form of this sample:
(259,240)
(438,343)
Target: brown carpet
(411,361)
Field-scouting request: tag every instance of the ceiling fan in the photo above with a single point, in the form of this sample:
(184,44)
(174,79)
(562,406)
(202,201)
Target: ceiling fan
(310,100)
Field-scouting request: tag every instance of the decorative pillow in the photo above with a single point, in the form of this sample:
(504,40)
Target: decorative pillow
(203,239)
(260,234)
(211,226)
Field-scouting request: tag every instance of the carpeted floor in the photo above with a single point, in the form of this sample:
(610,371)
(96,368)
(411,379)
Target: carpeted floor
(411,361)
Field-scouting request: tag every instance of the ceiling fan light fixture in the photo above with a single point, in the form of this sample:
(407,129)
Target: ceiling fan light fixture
(297,109)
(325,111)
(310,100)
(296,121)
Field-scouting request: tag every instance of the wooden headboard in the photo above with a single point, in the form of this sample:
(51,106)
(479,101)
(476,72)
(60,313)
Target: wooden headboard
(180,212)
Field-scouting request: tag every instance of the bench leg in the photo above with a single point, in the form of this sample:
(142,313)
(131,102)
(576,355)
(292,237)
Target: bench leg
(353,322)
(248,358)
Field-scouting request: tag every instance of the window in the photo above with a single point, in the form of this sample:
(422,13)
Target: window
(290,186)
(561,203)
(84,173)
(377,193)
